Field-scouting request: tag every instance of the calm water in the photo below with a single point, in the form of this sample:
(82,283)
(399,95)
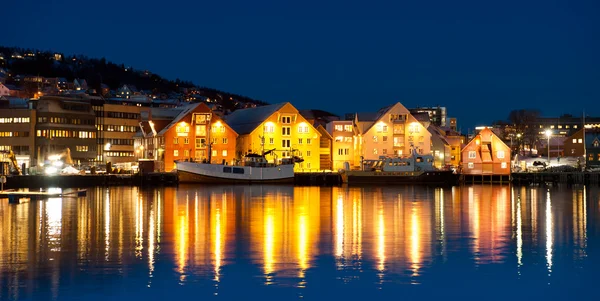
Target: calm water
(283,242)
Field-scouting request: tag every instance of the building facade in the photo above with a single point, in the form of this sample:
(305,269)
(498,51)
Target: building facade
(65,122)
(347,144)
(195,133)
(117,123)
(278,128)
(393,132)
(486,154)
(17,128)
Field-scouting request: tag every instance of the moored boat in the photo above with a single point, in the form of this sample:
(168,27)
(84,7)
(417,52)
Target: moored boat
(414,169)
(254,169)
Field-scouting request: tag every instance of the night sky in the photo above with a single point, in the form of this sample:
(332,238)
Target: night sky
(480,59)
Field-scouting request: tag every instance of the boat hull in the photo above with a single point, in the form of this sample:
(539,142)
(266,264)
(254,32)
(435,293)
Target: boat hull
(190,172)
(377,177)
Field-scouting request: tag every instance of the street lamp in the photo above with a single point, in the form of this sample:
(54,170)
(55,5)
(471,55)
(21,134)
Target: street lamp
(548,134)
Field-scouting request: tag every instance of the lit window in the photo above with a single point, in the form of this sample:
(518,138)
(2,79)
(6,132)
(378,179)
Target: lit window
(175,140)
(186,153)
(176,153)
(186,140)
(500,155)
(503,165)
(338,127)
(471,165)
(374,151)
(307,140)
(472,154)
(348,128)
(574,140)
(224,153)
(374,138)
(224,140)
(580,141)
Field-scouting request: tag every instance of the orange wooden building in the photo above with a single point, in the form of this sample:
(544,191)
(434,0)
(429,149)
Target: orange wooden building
(195,132)
(486,154)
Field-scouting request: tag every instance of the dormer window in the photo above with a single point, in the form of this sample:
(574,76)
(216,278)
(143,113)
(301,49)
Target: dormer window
(596,143)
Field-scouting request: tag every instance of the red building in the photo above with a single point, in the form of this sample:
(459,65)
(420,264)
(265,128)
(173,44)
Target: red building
(486,154)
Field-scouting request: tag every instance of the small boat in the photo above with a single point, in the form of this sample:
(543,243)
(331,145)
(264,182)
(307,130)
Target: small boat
(413,169)
(253,169)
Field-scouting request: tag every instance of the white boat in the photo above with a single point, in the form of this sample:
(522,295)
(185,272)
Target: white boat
(413,169)
(254,169)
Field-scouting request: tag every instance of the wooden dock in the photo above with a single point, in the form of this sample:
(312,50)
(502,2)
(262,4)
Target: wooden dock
(14,197)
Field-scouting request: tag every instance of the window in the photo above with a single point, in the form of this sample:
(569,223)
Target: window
(596,143)
(271,140)
(286,130)
(574,140)
(347,139)
(201,130)
(308,140)
(374,151)
(384,129)
(285,143)
(348,128)
(269,129)
(566,126)
(472,155)
(238,170)
(308,153)
(286,119)
(299,140)
(186,140)
(384,151)
(176,153)
(186,153)
(214,153)
(575,126)
(227,169)
(224,153)
(224,140)
(338,127)
(500,154)
(200,142)
(375,139)
(303,129)
(503,165)
(199,154)
(580,140)
(175,140)
(471,165)
(384,139)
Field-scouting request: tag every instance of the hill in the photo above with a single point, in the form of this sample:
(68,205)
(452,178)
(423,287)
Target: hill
(100,73)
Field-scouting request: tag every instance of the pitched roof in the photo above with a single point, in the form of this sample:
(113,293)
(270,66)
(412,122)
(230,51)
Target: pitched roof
(244,121)
(184,111)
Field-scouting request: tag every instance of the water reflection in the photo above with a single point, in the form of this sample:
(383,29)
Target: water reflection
(284,236)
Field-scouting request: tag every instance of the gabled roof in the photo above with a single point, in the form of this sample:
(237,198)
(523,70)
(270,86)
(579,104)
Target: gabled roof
(244,121)
(165,113)
(421,117)
(184,111)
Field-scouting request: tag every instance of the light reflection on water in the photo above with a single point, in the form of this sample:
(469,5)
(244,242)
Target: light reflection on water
(291,241)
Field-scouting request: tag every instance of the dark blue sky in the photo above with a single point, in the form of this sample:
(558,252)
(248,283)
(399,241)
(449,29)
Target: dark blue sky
(480,59)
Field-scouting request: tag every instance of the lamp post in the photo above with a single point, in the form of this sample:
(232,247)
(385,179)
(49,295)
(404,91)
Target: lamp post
(548,134)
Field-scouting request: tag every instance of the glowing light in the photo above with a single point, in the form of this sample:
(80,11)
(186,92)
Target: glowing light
(380,240)
(269,243)
(218,247)
(415,243)
(339,227)
(519,234)
(549,234)
(51,170)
